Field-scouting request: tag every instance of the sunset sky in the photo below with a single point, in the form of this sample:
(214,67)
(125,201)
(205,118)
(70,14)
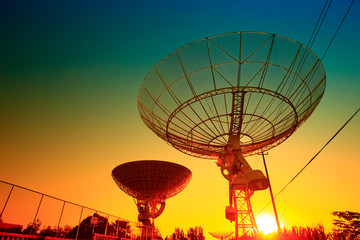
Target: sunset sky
(70,72)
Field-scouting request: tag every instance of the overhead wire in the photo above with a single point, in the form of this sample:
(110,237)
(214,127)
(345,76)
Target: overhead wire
(308,163)
(317,26)
(310,43)
(337,30)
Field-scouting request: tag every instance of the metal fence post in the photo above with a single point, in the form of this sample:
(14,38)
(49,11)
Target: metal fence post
(37,211)
(62,211)
(2,212)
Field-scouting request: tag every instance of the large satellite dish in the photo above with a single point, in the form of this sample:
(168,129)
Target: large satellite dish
(229,96)
(151,182)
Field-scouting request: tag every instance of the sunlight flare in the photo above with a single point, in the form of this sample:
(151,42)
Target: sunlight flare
(266,224)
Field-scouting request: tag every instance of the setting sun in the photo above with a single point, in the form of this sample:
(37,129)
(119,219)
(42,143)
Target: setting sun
(266,224)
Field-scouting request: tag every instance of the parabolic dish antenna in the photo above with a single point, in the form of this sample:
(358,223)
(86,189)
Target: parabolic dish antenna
(259,86)
(151,182)
(221,235)
(232,95)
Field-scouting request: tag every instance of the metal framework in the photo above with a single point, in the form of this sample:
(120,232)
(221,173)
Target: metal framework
(237,114)
(230,96)
(151,182)
(186,99)
(245,221)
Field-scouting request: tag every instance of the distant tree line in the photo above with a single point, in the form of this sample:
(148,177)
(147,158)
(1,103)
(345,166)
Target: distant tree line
(347,227)
(86,229)
(346,223)
(195,233)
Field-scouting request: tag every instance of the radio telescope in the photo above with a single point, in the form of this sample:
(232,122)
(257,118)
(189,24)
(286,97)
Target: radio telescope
(151,182)
(230,96)
(221,235)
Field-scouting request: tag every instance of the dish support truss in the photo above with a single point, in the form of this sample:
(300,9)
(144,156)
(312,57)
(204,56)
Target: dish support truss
(240,210)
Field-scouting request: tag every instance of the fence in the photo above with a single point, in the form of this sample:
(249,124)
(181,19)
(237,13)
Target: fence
(18,236)
(28,209)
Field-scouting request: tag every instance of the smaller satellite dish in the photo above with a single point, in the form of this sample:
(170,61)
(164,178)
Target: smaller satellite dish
(151,182)
(221,235)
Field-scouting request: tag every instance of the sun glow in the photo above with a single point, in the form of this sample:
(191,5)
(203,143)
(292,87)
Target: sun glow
(266,224)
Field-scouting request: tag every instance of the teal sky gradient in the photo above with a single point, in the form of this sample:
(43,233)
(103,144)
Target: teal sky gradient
(70,72)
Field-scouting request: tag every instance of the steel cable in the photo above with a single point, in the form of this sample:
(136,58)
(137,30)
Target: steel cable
(337,30)
(331,41)
(311,159)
